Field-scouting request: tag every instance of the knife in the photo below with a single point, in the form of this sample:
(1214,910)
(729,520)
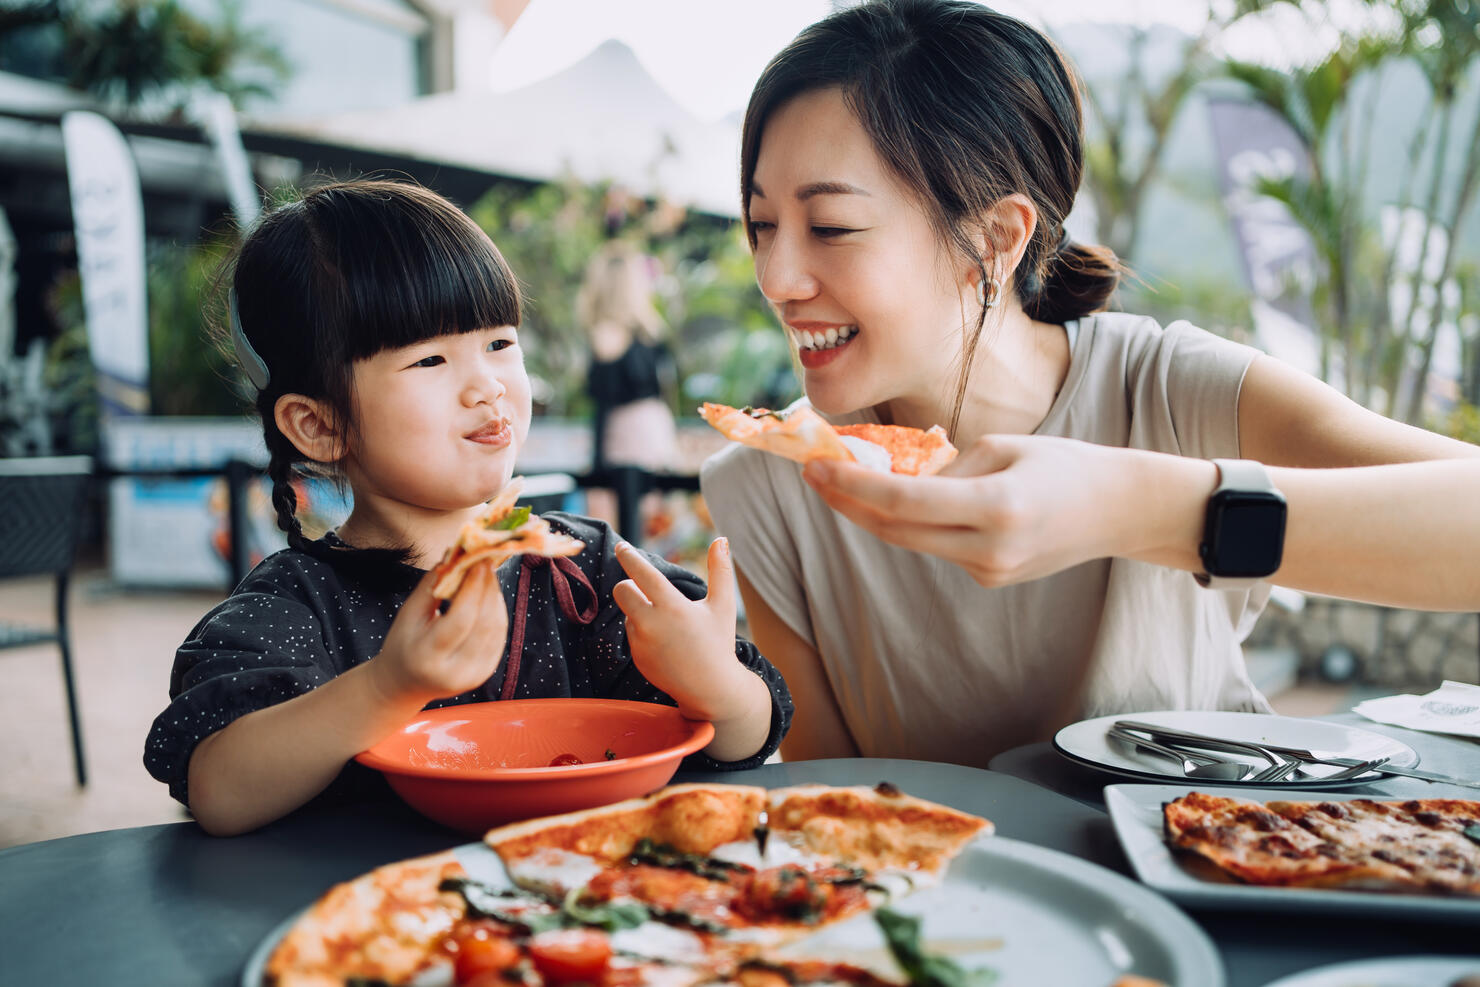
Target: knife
(1300,754)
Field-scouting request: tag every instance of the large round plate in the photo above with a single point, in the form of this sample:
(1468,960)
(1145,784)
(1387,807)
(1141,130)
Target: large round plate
(1034,916)
(1402,971)
(1086,743)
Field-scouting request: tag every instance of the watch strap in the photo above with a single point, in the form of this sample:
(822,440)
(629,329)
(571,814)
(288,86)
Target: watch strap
(1237,474)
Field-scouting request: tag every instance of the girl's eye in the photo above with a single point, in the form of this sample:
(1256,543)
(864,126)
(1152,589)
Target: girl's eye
(499,344)
(429,361)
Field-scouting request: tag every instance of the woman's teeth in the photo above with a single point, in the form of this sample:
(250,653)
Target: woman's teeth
(824,340)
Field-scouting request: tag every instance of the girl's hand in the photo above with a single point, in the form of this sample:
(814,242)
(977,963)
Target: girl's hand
(1008,509)
(684,647)
(429,654)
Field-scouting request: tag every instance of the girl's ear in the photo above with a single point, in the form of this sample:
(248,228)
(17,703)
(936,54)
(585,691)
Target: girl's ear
(310,425)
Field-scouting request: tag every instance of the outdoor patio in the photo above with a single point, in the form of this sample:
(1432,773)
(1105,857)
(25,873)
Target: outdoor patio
(123,644)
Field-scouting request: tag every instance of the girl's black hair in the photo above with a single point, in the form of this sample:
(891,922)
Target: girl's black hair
(965,106)
(345,271)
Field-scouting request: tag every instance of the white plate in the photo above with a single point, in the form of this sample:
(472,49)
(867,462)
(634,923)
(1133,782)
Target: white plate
(1135,811)
(1035,916)
(1402,971)
(1086,743)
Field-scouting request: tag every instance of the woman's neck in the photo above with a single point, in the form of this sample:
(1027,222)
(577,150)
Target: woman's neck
(1017,371)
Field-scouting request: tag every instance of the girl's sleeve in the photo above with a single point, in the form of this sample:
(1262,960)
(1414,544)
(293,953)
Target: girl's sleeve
(253,651)
(609,634)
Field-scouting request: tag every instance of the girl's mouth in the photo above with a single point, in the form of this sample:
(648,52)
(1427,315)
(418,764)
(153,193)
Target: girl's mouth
(816,349)
(494,433)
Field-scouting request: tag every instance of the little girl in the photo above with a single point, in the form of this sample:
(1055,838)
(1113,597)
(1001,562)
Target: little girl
(379,325)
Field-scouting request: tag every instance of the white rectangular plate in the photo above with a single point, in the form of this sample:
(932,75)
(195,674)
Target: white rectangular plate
(1135,811)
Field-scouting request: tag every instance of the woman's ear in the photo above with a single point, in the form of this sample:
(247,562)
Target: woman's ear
(310,425)
(1006,230)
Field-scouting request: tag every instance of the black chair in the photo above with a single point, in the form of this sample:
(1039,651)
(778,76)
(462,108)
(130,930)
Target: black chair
(41,511)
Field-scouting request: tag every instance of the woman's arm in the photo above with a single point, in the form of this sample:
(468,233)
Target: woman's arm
(1378,511)
(817,728)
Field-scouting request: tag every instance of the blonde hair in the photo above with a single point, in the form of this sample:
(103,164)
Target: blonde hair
(618,290)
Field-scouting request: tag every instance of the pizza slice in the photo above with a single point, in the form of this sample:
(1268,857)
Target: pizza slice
(1256,845)
(743,866)
(803,435)
(500,531)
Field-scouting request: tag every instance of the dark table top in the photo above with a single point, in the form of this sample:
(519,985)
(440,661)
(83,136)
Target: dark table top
(169,905)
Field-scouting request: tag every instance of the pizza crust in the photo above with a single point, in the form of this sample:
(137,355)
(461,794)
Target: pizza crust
(481,542)
(803,435)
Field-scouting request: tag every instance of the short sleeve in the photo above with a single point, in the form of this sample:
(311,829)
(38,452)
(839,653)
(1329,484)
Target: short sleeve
(744,495)
(253,651)
(1203,375)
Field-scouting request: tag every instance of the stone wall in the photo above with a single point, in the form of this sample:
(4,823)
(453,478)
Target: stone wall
(1406,650)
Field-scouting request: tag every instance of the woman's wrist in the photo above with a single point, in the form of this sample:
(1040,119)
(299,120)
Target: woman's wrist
(1162,504)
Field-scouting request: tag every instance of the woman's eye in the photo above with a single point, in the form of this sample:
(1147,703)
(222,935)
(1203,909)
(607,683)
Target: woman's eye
(429,361)
(758,226)
(831,232)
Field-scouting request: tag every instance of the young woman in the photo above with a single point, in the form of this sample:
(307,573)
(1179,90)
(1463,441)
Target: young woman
(906,168)
(380,327)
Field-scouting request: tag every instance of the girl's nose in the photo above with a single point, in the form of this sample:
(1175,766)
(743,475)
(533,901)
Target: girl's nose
(782,271)
(482,388)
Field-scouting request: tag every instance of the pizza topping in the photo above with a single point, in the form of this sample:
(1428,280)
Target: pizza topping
(1473,832)
(662,855)
(571,955)
(902,934)
(561,760)
(480,947)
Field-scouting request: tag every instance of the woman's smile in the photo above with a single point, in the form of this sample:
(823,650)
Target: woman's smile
(820,343)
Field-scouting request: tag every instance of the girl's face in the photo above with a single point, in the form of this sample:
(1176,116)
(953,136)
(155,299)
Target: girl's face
(851,264)
(440,422)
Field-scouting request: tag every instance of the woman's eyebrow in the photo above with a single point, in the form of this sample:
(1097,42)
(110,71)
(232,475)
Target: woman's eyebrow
(816,188)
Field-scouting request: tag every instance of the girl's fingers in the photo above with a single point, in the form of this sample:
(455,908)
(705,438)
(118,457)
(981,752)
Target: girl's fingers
(721,577)
(631,599)
(653,584)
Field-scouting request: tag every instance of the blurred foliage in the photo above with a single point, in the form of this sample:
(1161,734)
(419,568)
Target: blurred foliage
(1462,423)
(142,53)
(726,343)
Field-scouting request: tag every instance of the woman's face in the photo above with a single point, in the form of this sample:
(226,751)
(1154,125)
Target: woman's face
(849,261)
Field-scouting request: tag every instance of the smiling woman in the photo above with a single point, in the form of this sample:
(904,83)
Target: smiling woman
(1107,537)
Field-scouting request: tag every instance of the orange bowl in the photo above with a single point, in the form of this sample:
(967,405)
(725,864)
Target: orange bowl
(480,765)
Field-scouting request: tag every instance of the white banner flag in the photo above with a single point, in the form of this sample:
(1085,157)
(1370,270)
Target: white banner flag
(218,117)
(108,215)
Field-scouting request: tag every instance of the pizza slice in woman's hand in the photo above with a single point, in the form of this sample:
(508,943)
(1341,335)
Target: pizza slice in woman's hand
(801,434)
(500,531)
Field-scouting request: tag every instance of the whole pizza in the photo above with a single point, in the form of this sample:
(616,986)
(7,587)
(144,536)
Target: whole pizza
(693,884)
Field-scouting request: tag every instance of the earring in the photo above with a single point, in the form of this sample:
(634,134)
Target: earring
(981,293)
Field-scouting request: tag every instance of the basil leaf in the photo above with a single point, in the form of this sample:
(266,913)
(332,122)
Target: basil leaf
(512,520)
(1473,832)
(486,902)
(607,915)
(902,934)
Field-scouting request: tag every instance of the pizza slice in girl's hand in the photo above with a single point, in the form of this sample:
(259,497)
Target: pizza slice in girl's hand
(803,435)
(500,531)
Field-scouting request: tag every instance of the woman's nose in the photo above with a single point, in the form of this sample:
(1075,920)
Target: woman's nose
(782,271)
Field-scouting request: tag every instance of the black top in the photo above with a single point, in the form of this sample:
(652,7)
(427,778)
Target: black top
(637,374)
(302,617)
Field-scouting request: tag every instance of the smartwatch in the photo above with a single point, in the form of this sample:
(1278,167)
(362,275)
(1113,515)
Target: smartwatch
(1244,533)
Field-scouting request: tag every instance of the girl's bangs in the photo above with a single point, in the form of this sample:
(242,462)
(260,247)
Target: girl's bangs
(418,273)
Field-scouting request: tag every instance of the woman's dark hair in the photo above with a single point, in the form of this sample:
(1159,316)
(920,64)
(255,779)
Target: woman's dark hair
(965,106)
(344,272)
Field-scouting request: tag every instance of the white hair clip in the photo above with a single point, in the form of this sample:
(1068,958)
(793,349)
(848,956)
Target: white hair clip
(254,365)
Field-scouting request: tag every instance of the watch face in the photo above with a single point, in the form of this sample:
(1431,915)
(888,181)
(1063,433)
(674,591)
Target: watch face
(1248,534)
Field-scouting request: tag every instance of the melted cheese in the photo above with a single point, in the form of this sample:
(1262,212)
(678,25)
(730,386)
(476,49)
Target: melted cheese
(869,454)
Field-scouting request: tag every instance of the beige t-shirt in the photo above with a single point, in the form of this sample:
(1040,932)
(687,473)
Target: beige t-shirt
(925,663)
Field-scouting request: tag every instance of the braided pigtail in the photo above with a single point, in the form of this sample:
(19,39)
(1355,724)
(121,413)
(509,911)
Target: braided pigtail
(280,470)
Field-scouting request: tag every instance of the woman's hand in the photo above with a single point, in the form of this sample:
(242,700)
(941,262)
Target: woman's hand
(1008,509)
(432,654)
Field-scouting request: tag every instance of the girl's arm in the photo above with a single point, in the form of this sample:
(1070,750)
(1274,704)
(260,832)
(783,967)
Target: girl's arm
(817,726)
(1378,511)
(271,761)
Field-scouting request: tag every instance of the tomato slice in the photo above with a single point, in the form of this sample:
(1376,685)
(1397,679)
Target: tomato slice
(482,951)
(561,760)
(566,955)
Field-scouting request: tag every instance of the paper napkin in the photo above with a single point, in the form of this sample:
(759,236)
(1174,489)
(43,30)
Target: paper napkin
(1454,708)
